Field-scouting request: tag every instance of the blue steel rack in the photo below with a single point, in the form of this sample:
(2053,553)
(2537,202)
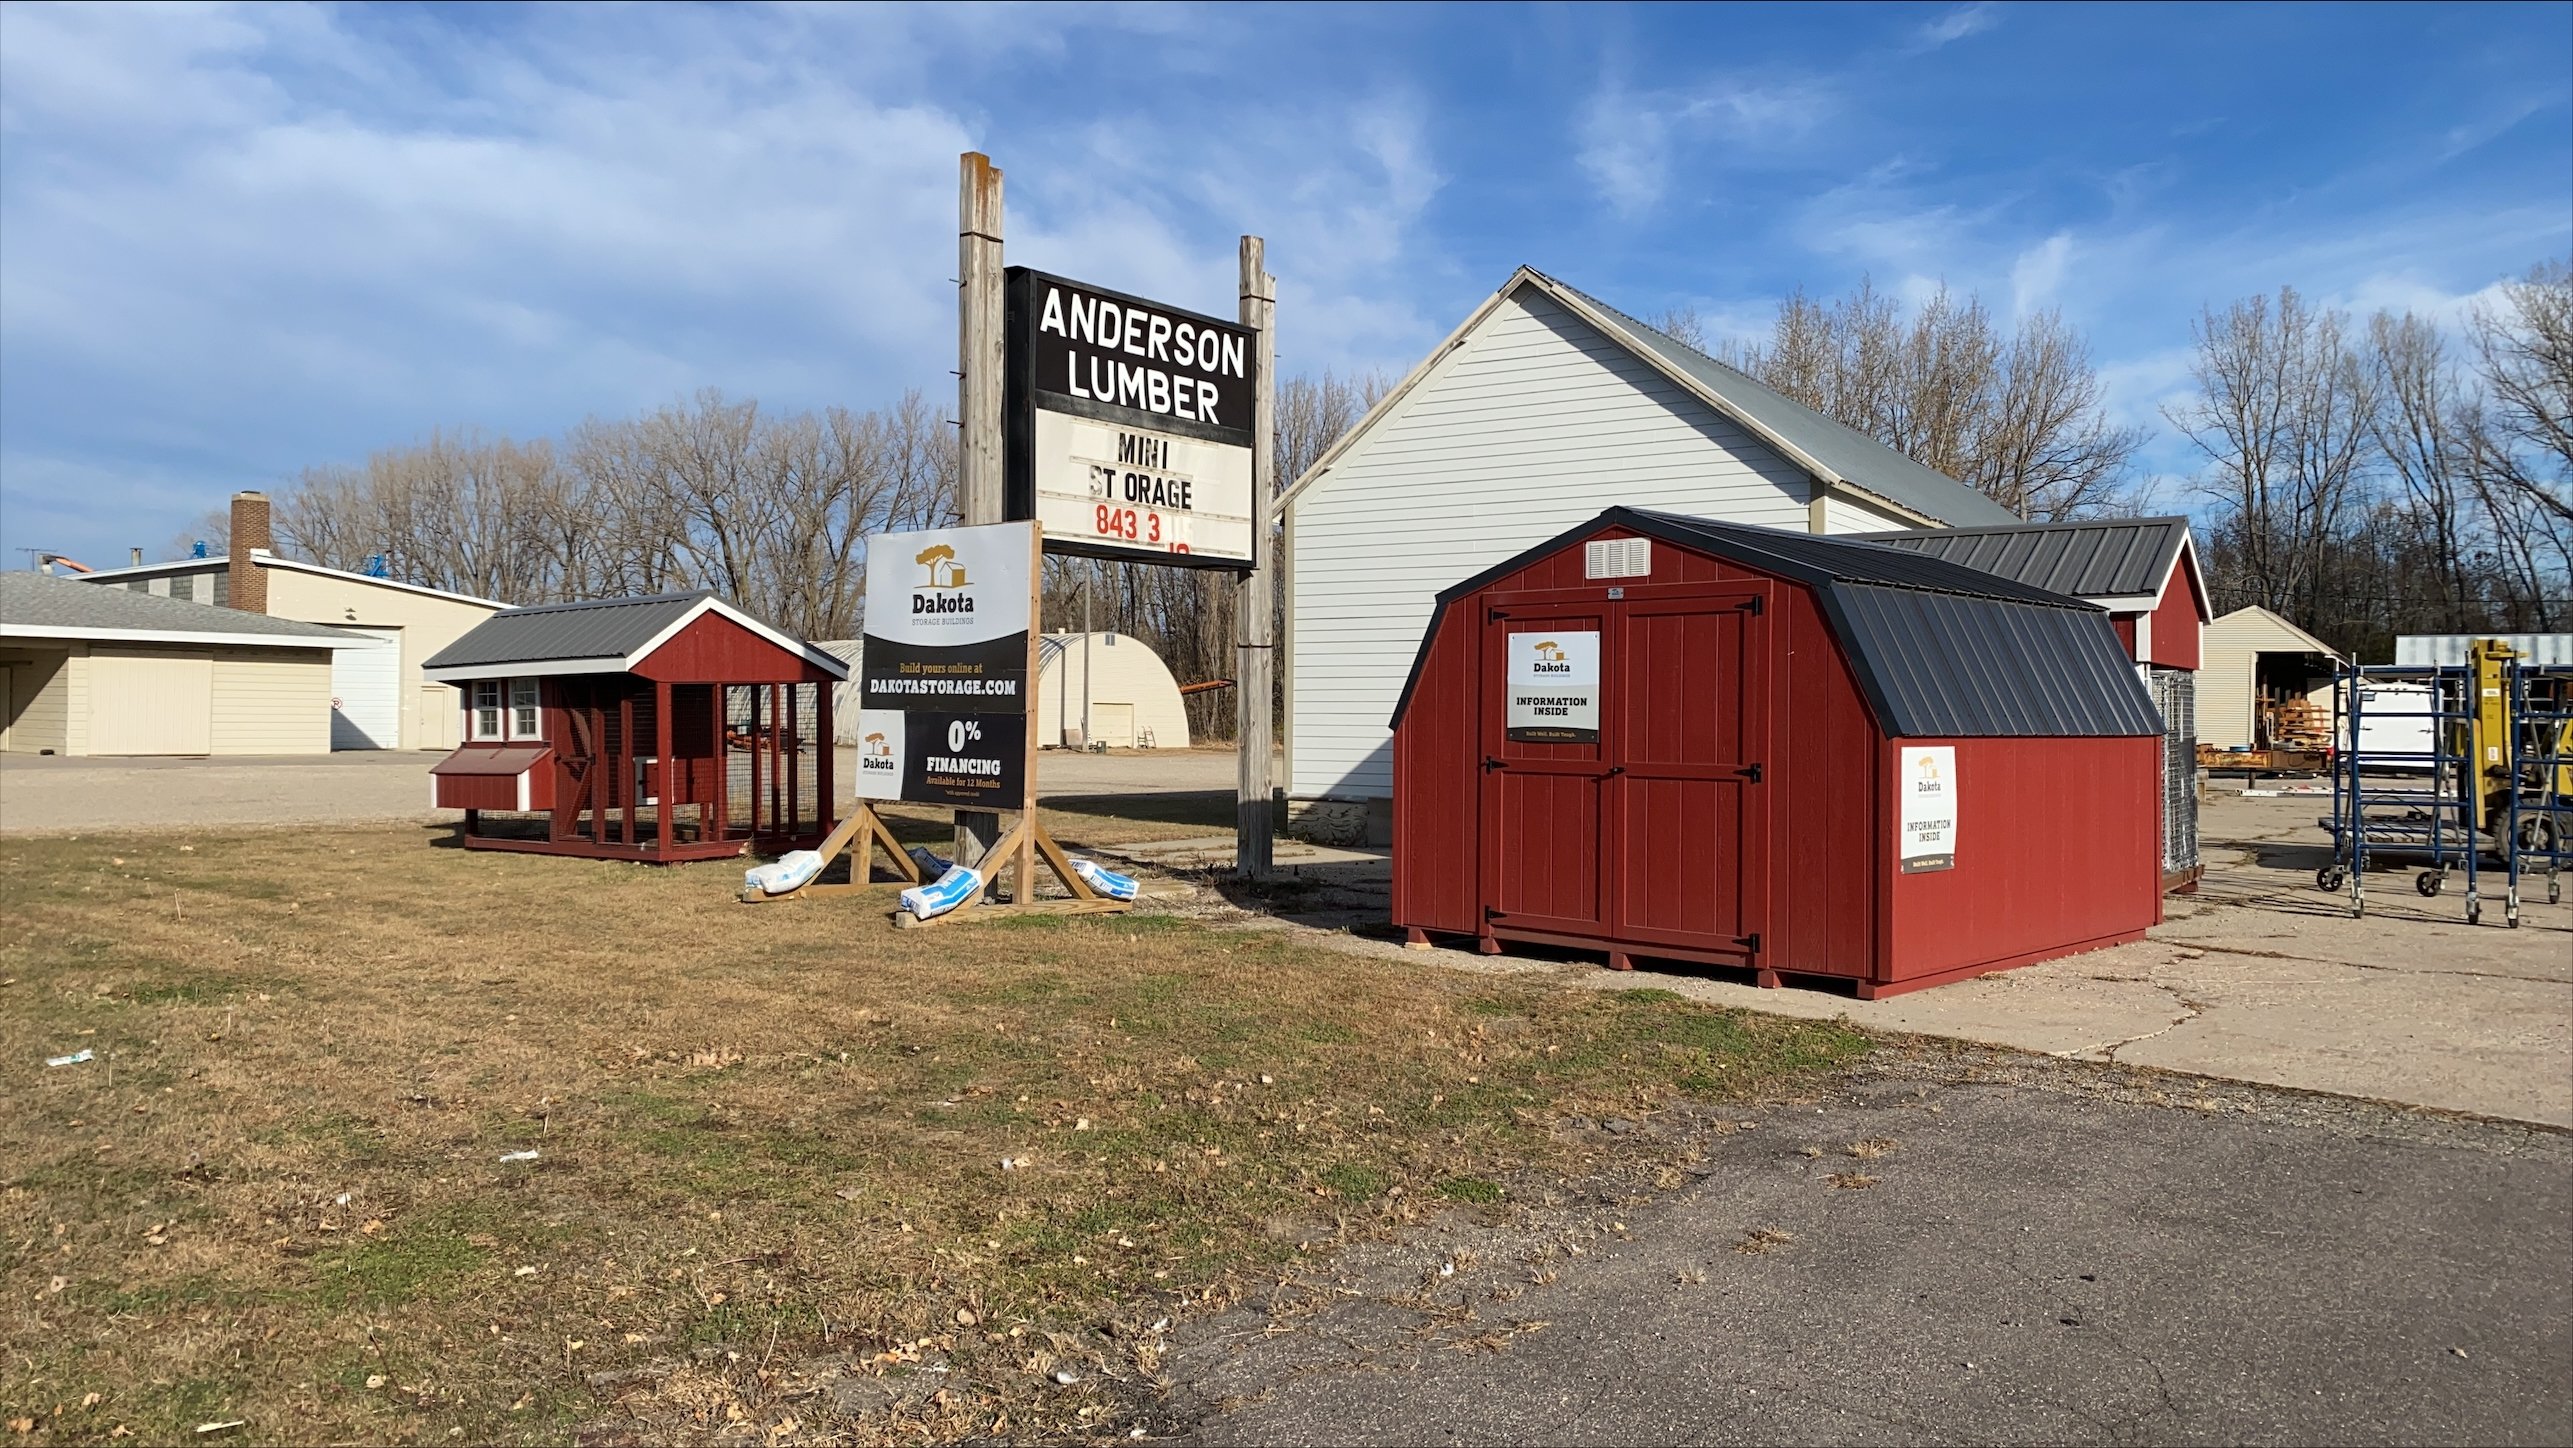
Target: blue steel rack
(2376,820)
(2538,816)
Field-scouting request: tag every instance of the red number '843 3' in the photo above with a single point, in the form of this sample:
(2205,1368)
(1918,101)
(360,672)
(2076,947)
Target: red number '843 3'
(1128,523)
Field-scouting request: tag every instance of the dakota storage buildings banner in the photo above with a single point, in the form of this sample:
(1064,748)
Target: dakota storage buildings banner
(942,711)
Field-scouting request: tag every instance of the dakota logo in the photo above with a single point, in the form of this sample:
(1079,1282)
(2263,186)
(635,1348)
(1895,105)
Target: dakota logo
(946,583)
(877,748)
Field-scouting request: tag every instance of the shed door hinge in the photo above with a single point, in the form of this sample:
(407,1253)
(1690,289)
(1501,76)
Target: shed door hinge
(1750,942)
(1490,764)
(1757,604)
(1496,615)
(1491,912)
(1750,773)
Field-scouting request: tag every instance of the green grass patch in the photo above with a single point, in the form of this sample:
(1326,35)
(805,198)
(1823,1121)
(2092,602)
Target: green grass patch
(1470,1189)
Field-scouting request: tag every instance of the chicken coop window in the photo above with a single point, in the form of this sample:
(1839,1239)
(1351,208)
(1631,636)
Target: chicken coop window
(524,721)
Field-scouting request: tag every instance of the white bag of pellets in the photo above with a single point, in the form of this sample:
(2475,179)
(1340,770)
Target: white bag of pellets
(956,885)
(790,872)
(1106,881)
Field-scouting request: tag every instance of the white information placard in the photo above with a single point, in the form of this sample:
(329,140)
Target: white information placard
(1554,687)
(1926,781)
(1139,490)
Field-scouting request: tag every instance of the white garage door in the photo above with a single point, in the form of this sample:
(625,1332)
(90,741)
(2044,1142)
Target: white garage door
(150,703)
(1115,723)
(366,692)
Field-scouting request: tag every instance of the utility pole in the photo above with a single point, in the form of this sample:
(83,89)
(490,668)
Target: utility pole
(1255,596)
(978,407)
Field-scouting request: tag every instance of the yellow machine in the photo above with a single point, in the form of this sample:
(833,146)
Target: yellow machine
(2495,740)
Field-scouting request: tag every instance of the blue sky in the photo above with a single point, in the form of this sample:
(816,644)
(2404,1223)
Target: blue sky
(235,242)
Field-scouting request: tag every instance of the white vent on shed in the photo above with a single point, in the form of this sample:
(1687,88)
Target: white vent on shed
(1617,558)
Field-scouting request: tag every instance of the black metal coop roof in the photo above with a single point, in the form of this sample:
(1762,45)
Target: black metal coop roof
(558,632)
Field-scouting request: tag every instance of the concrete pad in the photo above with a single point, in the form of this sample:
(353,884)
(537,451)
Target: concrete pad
(2257,977)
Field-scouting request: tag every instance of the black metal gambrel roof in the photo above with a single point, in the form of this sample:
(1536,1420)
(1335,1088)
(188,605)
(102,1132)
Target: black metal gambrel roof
(2110,558)
(1940,650)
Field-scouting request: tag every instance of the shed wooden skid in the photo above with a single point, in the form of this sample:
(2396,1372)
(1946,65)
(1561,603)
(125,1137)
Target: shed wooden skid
(662,729)
(1740,806)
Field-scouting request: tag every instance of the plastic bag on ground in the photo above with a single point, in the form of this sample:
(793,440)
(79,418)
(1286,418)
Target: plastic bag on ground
(1106,881)
(790,872)
(931,866)
(956,885)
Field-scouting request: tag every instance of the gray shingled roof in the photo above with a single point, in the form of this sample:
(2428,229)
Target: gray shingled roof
(1940,650)
(557,632)
(2112,558)
(34,601)
(1845,450)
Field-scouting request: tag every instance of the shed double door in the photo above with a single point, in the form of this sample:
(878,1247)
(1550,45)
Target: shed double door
(1649,836)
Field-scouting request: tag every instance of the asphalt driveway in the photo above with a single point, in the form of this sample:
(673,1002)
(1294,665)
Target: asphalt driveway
(2020,1251)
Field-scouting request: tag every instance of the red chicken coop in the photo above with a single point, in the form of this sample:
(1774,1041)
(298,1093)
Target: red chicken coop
(668,728)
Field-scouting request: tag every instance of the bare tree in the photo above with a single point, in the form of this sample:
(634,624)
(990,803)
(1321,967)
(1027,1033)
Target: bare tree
(2285,416)
(2023,419)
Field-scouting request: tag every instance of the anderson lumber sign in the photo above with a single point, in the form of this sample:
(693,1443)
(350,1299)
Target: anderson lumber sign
(943,696)
(1128,425)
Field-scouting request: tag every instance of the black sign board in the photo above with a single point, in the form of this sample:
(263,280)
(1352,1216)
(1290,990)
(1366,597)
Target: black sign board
(1127,425)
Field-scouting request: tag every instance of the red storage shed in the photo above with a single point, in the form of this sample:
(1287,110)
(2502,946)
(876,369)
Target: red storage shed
(670,728)
(1662,736)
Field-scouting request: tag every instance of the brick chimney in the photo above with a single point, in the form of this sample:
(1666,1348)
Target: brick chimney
(248,589)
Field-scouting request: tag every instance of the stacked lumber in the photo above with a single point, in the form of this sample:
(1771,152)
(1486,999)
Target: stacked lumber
(2301,725)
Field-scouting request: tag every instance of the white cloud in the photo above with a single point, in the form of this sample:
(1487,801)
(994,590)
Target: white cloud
(242,241)
(1628,143)
(2039,273)
(1956,25)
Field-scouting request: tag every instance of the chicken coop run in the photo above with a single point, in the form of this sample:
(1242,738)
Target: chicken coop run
(668,728)
(1658,736)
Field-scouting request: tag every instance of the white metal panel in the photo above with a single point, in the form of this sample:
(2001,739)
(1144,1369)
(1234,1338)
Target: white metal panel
(366,692)
(150,703)
(2552,649)
(1115,723)
(1534,424)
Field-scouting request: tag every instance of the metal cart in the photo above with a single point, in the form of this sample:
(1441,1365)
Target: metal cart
(2427,817)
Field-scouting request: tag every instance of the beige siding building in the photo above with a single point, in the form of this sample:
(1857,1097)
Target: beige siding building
(376,697)
(88,671)
(2251,662)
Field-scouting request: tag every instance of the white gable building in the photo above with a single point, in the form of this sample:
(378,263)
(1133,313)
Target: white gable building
(1543,408)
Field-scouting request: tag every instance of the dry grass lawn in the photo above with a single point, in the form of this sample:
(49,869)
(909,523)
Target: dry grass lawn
(769,1139)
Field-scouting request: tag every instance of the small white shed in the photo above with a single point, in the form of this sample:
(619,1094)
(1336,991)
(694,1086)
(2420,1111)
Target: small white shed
(2253,662)
(1133,701)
